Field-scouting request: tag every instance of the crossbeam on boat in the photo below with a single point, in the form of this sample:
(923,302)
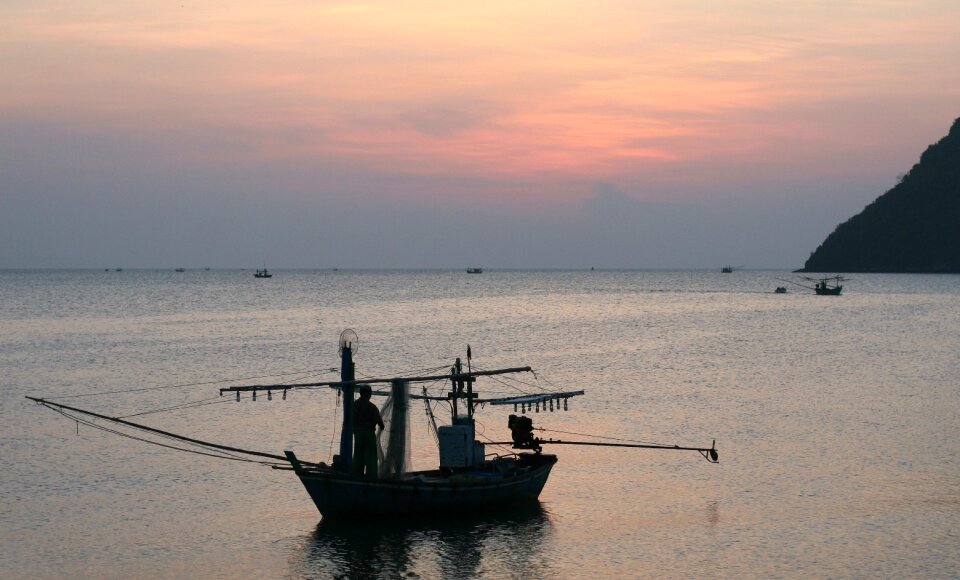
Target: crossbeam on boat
(515,400)
(531,399)
(340,384)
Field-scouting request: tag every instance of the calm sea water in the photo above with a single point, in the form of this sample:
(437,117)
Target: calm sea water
(837,421)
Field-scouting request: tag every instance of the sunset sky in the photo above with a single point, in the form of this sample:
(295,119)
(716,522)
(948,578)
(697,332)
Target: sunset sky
(629,134)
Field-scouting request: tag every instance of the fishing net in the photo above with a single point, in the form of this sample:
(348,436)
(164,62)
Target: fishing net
(393,447)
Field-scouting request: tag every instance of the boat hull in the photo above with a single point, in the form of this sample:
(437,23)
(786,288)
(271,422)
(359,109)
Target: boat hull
(337,494)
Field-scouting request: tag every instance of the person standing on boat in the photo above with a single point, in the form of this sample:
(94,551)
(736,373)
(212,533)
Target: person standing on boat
(366,418)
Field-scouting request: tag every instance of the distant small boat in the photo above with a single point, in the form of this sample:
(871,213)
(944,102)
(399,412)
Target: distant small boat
(726,270)
(207,269)
(474,270)
(119,270)
(781,290)
(181,270)
(263,273)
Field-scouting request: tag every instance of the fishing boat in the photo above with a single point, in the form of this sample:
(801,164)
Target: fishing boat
(827,286)
(824,286)
(262,273)
(467,479)
(472,475)
(780,290)
(726,270)
(181,270)
(474,270)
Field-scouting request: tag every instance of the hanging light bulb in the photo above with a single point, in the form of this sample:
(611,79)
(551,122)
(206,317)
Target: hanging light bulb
(564,404)
(551,405)
(514,407)
(238,396)
(269,395)
(538,406)
(284,394)
(254,394)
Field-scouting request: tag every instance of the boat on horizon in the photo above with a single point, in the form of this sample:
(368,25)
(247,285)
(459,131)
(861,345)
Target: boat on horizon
(824,286)
(262,273)
(474,270)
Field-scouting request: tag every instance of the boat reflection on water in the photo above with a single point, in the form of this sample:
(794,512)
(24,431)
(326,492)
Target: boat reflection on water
(498,545)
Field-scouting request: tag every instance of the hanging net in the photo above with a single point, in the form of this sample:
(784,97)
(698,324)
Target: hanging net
(393,447)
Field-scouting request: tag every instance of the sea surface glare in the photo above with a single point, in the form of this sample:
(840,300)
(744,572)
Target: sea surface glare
(837,420)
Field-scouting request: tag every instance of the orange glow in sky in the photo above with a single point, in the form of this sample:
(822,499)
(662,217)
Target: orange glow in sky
(581,89)
(518,102)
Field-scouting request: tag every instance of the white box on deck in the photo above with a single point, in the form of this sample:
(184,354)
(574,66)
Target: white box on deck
(456,445)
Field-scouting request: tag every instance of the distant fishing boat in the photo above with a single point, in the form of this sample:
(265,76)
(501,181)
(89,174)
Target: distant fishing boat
(781,290)
(262,273)
(726,270)
(474,270)
(181,270)
(468,478)
(827,286)
(823,286)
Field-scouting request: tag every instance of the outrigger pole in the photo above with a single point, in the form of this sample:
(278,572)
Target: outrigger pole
(60,407)
(708,453)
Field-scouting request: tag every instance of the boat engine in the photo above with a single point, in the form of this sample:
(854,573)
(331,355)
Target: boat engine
(521,430)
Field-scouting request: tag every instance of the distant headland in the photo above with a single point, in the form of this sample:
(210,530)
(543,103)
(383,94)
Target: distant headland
(912,228)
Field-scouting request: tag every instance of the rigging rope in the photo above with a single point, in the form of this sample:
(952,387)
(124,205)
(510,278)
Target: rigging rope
(333,435)
(221,448)
(187,405)
(503,381)
(222,455)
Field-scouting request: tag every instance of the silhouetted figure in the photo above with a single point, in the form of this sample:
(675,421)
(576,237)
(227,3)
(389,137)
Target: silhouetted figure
(366,418)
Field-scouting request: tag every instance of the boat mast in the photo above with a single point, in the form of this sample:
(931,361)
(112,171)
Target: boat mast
(461,382)
(347,376)
(457,388)
(469,380)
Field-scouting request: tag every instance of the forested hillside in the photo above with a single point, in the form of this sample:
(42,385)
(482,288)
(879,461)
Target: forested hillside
(914,227)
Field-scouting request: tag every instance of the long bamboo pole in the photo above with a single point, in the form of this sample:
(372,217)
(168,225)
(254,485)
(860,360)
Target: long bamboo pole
(157,431)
